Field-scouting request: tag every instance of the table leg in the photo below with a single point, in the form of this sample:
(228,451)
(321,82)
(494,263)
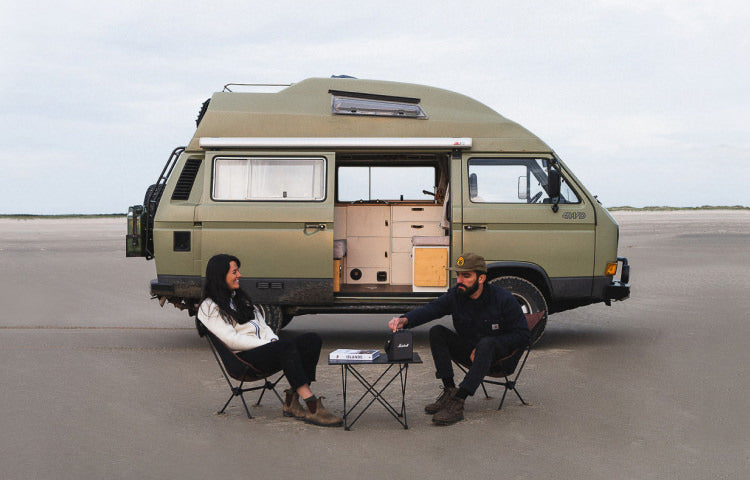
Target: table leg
(343,391)
(370,388)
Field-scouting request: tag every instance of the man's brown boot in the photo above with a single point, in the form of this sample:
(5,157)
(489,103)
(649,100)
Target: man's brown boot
(452,412)
(322,417)
(438,404)
(292,407)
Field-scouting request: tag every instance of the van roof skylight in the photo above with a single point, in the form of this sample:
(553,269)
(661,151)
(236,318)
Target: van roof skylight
(354,103)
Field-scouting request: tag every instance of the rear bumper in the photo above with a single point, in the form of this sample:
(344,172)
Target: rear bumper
(619,289)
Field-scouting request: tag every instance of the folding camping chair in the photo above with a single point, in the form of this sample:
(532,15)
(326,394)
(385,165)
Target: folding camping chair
(233,366)
(506,366)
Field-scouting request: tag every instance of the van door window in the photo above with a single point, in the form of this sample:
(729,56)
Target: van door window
(269,178)
(374,183)
(513,180)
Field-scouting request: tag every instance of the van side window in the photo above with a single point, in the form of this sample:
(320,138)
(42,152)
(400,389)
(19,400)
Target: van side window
(372,183)
(513,180)
(269,178)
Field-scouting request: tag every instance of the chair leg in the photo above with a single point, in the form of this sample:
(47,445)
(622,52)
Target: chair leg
(220,412)
(242,397)
(484,389)
(519,396)
(236,392)
(510,385)
(269,385)
(502,400)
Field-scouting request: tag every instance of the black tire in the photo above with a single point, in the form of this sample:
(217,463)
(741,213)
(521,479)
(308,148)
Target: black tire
(285,320)
(528,296)
(274,317)
(154,191)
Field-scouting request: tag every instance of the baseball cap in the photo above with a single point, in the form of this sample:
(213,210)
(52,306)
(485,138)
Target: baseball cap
(469,262)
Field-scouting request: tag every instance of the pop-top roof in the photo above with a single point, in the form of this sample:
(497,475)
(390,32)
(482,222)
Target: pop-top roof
(308,109)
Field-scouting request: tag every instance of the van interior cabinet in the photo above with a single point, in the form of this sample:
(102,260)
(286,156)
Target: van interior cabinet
(430,263)
(410,221)
(379,241)
(368,238)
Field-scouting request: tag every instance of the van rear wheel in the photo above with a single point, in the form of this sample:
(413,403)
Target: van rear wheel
(274,317)
(528,296)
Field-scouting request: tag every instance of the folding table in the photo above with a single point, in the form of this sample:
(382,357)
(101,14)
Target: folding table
(375,388)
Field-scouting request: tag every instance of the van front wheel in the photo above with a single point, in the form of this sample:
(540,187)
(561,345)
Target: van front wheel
(526,293)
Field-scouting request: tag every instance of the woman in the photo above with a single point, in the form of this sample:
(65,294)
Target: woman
(230,315)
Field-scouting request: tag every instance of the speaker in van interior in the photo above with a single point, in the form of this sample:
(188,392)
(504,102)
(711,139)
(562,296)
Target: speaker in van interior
(356,274)
(382,276)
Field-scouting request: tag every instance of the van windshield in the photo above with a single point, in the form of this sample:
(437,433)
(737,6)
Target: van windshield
(380,183)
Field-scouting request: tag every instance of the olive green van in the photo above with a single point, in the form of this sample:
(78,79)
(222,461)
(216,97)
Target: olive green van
(346,195)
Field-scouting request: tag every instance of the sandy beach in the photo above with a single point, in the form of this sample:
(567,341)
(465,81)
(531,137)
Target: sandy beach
(100,382)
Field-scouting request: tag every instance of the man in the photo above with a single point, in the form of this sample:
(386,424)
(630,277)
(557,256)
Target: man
(489,325)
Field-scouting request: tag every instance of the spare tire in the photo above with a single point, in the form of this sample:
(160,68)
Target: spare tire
(152,197)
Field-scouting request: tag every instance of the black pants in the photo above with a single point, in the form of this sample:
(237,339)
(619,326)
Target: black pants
(297,357)
(446,344)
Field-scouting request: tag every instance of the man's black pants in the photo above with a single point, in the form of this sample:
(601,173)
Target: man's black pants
(446,344)
(297,357)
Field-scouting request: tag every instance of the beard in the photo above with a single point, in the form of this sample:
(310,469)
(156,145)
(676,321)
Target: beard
(467,292)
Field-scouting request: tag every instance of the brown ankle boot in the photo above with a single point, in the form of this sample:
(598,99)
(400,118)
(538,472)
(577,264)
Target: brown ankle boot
(292,407)
(437,405)
(322,417)
(452,412)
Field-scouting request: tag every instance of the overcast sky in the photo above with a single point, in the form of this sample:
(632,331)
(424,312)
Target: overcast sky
(647,102)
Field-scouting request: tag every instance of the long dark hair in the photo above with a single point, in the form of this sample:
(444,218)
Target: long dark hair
(216,289)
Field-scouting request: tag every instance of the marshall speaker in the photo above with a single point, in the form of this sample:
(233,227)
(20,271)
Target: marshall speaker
(399,345)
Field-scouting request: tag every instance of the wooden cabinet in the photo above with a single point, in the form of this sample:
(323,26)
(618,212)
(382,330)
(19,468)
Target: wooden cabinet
(410,221)
(368,239)
(379,247)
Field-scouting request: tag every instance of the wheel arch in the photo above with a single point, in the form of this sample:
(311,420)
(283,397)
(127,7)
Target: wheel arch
(528,271)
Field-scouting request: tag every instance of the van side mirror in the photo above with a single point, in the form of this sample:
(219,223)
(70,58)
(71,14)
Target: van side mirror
(553,188)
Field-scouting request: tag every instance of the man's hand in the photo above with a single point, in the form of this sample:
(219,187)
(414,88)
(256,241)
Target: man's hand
(397,322)
(471,357)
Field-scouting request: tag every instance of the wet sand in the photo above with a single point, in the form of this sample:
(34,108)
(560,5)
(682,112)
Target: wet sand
(98,381)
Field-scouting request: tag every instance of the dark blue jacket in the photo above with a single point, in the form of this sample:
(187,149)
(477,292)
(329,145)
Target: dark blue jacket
(496,312)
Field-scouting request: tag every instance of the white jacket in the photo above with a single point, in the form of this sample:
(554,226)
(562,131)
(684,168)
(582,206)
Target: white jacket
(238,337)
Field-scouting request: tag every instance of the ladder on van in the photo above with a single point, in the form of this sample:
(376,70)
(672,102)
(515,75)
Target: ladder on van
(153,195)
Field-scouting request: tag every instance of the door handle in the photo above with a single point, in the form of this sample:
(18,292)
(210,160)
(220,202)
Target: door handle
(317,226)
(475,227)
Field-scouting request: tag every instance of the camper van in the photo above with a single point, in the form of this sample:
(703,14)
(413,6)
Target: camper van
(342,195)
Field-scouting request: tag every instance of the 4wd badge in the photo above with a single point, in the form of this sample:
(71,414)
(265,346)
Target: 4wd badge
(574,215)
